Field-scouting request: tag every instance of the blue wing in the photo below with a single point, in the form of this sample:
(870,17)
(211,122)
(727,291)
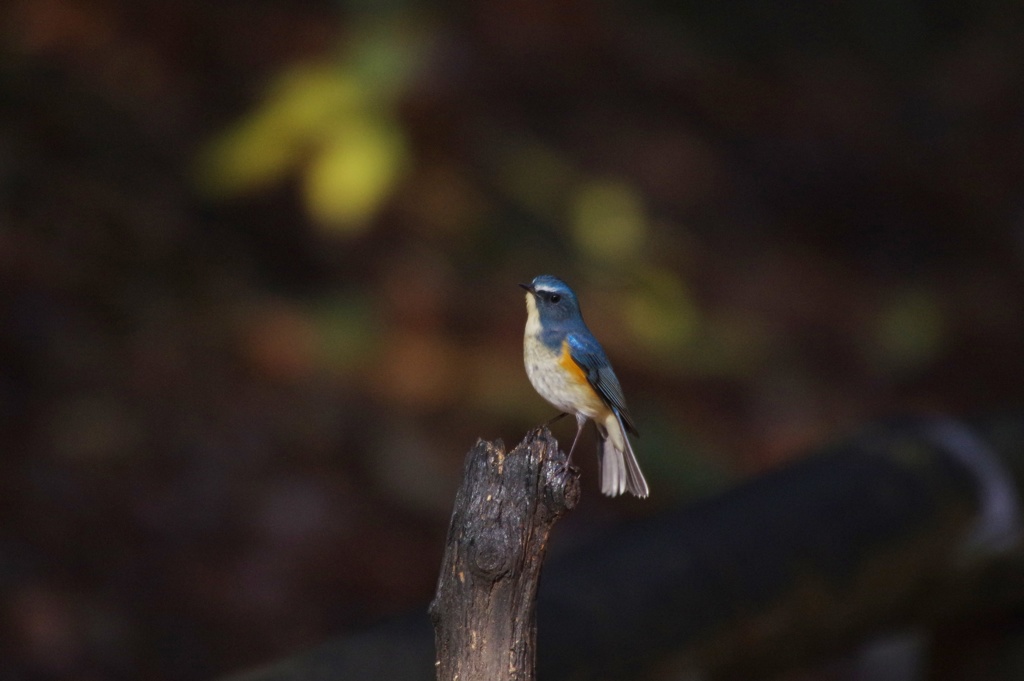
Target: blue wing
(589,356)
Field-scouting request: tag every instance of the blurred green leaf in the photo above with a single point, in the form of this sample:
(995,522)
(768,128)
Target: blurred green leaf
(662,313)
(347,331)
(536,176)
(608,220)
(909,330)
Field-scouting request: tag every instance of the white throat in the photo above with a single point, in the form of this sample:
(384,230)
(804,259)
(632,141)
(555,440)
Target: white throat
(532,317)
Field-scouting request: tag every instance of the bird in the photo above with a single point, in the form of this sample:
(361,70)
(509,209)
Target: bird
(569,368)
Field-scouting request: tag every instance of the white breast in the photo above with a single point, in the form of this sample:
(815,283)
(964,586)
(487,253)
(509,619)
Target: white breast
(549,378)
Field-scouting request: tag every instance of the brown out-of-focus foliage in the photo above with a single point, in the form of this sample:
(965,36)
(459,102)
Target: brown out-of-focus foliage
(258,268)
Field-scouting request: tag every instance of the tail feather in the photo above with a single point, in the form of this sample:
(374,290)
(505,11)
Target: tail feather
(620,471)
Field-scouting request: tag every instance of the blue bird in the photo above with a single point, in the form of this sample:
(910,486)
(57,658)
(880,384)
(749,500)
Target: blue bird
(569,369)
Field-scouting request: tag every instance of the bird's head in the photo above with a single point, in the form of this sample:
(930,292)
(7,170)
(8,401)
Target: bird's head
(549,300)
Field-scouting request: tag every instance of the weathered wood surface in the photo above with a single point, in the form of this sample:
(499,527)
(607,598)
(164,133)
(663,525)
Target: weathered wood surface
(484,608)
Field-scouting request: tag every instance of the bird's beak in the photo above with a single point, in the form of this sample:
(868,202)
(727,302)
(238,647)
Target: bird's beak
(528,287)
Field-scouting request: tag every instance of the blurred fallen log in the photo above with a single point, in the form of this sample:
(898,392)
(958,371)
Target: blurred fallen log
(483,612)
(902,524)
(910,523)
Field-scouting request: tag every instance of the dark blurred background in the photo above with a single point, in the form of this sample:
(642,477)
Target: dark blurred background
(259,266)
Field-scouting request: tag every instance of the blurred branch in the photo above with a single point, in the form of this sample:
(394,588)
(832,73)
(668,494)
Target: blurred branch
(912,522)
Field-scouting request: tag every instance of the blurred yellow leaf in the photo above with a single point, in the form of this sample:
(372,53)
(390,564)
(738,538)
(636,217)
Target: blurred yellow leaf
(308,97)
(608,220)
(330,125)
(352,173)
(271,141)
(251,156)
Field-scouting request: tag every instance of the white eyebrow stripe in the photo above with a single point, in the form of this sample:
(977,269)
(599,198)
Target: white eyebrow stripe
(544,289)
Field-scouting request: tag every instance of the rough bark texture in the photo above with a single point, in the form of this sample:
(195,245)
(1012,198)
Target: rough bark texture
(483,611)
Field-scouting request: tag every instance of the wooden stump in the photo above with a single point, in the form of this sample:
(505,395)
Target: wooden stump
(483,611)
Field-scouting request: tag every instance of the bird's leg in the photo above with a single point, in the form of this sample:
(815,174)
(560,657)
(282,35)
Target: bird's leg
(556,419)
(580,420)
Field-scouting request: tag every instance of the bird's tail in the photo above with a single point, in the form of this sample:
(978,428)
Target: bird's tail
(619,470)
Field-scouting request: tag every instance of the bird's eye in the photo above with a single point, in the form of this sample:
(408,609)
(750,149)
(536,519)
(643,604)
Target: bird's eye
(555,297)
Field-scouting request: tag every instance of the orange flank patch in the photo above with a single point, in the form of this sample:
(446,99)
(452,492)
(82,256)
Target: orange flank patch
(583,397)
(570,365)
